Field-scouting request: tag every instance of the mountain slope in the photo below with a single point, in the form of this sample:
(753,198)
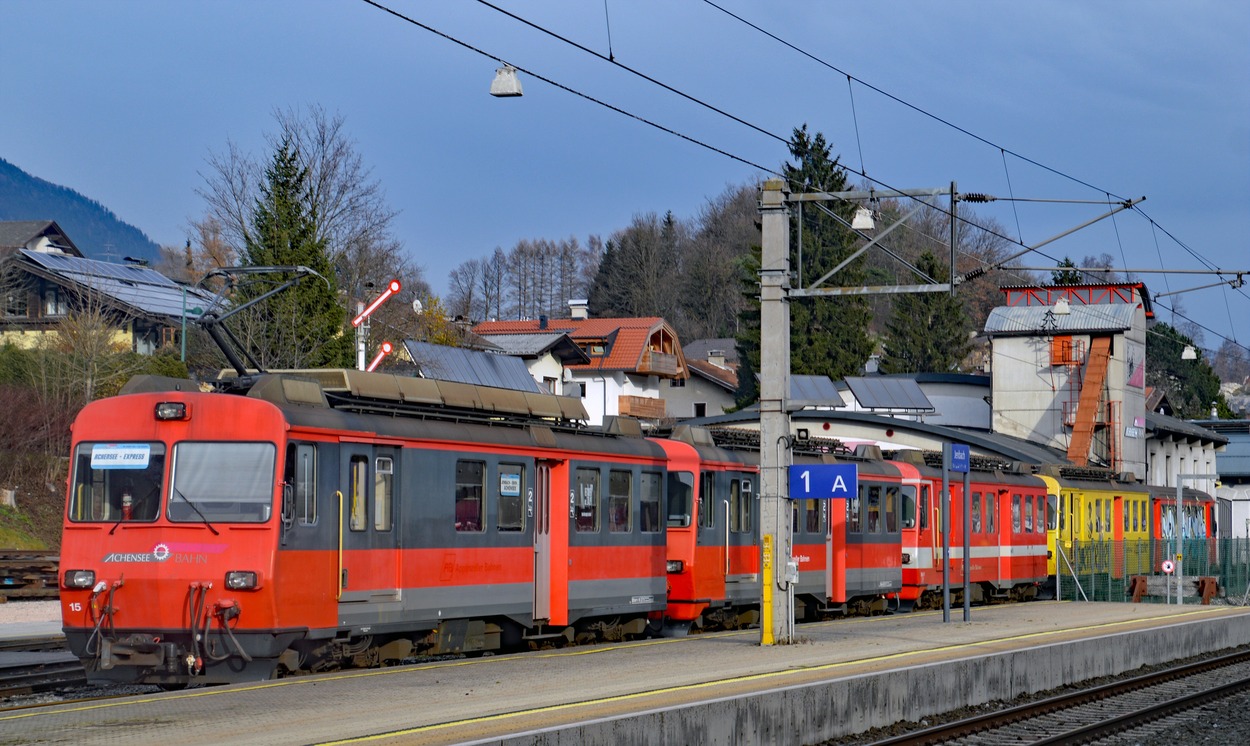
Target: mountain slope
(90,225)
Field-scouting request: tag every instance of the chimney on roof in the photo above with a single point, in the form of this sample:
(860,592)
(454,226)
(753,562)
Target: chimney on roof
(542,321)
(579,308)
(716,357)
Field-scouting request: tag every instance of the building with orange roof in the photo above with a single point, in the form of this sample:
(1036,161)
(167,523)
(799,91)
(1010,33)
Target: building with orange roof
(628,360)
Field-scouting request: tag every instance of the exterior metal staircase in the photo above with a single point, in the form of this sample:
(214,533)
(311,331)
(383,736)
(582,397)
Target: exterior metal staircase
(1090,402)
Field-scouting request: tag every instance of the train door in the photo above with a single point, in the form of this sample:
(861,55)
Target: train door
(368,566)
(539,505)
(711,539)
(741,515)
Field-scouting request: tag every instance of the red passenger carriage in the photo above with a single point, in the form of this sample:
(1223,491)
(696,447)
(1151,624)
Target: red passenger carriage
(1007,542)
(212,538)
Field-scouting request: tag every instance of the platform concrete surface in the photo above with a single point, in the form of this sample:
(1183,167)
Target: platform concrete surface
(724,688)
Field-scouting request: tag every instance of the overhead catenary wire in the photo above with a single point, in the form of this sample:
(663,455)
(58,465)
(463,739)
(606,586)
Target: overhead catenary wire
(743,160)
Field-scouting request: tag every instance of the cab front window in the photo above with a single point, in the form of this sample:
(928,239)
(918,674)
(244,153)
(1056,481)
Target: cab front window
(117,482)
(222,482)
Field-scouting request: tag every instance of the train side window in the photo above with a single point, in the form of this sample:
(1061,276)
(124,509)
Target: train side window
(852,512)
(383,489)
(1053,516)
(1040,522)
(651,491)
(359,515)
(908,506)
(707,499)
(924,506)
(301,475)
(470,487)
(1015,514)
(681,500)
(1127,510)
(620,499)
(891,509)
(1106,515)
(510,502)
(1089,519)
(813,516)
(976,512)
(1028,513)
(739,506)
(586,509)
(990,499)
(874,509)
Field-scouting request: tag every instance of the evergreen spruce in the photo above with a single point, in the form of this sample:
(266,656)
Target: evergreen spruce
(828,335)
(303,326)
(927,332)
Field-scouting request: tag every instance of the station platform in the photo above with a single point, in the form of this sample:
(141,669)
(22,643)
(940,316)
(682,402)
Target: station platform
(838,678)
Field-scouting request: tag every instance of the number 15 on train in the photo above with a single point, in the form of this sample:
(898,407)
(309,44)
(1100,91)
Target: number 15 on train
(824,481)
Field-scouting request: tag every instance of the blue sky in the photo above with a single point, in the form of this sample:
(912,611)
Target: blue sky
(124,101)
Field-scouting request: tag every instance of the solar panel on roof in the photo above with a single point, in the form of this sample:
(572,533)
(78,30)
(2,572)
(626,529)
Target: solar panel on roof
(814,391)
(138,287)
(458,365)
(890,393)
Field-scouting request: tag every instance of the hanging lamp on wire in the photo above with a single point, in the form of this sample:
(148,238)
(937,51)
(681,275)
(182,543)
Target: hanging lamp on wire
(1189,353)
(862,220)
(506,83)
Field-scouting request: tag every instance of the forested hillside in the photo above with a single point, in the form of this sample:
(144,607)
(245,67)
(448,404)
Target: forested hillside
(89,224)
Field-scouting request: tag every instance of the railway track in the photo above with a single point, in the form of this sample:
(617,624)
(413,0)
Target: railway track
(1100,712)
(28,574)
(24,673)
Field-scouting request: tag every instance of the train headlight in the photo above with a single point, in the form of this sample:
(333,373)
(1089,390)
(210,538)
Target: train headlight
(79,578)
(675,565)
(172,410)
(242,580)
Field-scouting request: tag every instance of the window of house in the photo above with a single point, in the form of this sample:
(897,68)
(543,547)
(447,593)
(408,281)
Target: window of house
(15,303)
(53,302)
(700,409)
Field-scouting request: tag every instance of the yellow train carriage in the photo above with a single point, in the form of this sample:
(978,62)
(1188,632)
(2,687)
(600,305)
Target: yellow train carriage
(1097,524)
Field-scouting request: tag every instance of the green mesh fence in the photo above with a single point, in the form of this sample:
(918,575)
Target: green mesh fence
(1103,570)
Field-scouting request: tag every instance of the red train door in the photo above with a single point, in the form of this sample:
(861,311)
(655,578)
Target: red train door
(541,502)
(369,558)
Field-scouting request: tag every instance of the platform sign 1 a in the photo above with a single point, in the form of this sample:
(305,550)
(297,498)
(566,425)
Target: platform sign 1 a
(960,458)
(824,481)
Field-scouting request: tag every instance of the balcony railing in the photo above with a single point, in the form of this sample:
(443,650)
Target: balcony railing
(642,407)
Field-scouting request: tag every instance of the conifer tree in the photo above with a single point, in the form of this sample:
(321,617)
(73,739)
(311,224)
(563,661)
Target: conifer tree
(302,326)
(927,332)
(828,335)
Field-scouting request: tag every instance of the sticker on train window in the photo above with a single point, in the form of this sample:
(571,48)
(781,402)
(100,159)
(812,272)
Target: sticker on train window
(120,455)
(510,485)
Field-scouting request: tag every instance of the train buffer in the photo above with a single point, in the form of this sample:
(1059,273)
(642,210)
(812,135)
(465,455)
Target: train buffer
(1164,586)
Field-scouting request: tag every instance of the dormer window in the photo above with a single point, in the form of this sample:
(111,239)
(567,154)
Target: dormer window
(597,349)
(53,302)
